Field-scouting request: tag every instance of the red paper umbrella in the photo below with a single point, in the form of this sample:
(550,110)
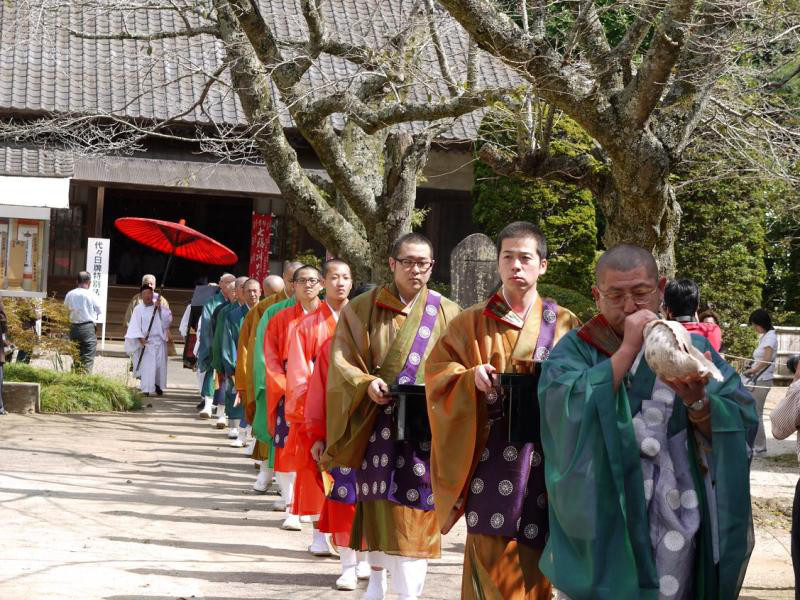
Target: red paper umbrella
(176,239)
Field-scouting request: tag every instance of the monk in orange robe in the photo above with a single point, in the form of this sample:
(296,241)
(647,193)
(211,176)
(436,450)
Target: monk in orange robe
(481,465)
(279,332)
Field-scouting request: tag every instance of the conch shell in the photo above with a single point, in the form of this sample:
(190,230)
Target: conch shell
(669,351)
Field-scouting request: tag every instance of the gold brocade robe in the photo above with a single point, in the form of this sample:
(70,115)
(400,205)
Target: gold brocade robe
(244,357)
(460,429)
(368,328)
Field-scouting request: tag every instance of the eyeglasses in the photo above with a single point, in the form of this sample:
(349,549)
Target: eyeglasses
(307,281)
(640,298)
(409,263)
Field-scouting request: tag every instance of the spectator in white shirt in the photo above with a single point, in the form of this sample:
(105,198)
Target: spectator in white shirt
(759,374)
(84,310)
(785,421)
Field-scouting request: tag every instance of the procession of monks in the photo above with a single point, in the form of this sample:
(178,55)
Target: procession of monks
(578,472)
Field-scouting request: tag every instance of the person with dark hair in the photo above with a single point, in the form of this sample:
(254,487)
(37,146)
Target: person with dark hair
(384,337)
(647,495)
(785,418)
(282,321)
(760,372)
(305,347)
(681,301)
(475,469)
(84,310)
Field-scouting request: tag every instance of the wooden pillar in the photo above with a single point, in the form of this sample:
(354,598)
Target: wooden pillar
(98,213)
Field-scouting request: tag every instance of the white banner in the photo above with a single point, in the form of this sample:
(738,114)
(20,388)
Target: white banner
(97,251)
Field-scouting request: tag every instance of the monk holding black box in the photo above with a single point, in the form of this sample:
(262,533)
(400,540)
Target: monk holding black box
(486,461)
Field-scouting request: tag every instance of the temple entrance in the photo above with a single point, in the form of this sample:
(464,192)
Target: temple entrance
(226,219)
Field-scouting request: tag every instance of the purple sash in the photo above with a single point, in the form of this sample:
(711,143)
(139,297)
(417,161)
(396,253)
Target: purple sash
(507,494)
(344,485)
(400,471)
(281,426)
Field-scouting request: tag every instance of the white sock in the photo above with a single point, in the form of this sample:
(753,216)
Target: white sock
(408,575)
(347,557)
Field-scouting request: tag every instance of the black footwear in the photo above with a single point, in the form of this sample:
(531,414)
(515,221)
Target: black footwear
(159,391)
(201,404)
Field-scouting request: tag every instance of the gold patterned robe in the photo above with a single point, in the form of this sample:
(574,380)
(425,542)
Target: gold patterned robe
(368,327)
(499,566)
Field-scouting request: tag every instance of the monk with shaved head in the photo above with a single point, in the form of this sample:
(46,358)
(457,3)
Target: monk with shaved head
(647,480)
(253,372)
(205,333)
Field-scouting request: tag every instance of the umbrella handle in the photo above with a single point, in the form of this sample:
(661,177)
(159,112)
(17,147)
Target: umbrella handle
(158,307)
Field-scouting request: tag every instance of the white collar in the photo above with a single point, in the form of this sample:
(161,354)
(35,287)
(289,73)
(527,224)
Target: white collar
(527,310)
(334,311)
(409,305)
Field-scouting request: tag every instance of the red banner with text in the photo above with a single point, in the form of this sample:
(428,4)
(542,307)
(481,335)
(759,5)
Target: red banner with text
(259,246)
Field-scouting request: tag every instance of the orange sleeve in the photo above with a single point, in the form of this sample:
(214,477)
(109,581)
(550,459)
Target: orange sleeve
(316,409)
(298,371)
(275,373)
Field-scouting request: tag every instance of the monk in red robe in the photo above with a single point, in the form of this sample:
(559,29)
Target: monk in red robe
(304,348)
(280,330)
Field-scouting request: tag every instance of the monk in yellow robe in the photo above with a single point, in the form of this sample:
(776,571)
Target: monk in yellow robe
(383,337)
(480,464)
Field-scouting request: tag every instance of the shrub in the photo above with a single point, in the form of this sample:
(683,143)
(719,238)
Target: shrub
(75,392)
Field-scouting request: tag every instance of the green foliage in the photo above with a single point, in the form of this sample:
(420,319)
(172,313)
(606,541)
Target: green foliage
(75,392)
(443,288)
(583,306)
(54,341)
(307,257)
(782,290)
(564,213)
(721,246)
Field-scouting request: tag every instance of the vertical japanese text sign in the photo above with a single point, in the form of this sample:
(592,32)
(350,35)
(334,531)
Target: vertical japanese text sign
(97,251)
(259,246)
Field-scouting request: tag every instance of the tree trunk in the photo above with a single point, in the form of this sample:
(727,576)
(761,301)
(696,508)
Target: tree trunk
(639,203)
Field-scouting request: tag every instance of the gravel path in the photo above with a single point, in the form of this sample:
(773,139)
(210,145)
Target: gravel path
(155,506)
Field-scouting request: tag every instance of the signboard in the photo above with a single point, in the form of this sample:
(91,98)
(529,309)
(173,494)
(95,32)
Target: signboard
(97,251)
(259,246)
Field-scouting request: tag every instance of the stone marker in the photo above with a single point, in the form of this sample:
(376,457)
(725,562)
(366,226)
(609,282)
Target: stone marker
(473,270)
(21,398)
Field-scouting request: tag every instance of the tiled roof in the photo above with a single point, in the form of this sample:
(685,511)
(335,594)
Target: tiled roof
(44,69)
(35,162)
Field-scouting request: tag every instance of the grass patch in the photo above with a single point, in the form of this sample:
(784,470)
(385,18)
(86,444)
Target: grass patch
(74,392)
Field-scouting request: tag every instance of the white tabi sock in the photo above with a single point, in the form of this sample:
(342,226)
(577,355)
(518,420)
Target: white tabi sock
(408,575)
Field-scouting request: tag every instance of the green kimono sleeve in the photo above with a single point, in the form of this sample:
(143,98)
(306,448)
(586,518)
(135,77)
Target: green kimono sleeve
(230,339)
(599,543)
(219,334)
(207,332)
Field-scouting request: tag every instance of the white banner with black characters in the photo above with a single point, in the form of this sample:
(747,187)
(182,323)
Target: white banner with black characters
(97,252)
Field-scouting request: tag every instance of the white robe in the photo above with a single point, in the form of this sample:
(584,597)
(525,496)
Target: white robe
(153,368)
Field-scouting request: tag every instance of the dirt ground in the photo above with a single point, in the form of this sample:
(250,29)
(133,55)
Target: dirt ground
(155,505)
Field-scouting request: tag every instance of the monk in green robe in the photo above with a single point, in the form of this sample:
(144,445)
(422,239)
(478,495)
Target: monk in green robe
(647,480)
(248,296)
(206,335)
(218,349)
(382,338)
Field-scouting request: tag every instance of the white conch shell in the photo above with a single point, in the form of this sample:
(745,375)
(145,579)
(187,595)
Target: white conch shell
(669,351)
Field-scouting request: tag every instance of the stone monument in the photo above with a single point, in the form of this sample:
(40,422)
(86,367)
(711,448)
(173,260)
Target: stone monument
(473,270)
